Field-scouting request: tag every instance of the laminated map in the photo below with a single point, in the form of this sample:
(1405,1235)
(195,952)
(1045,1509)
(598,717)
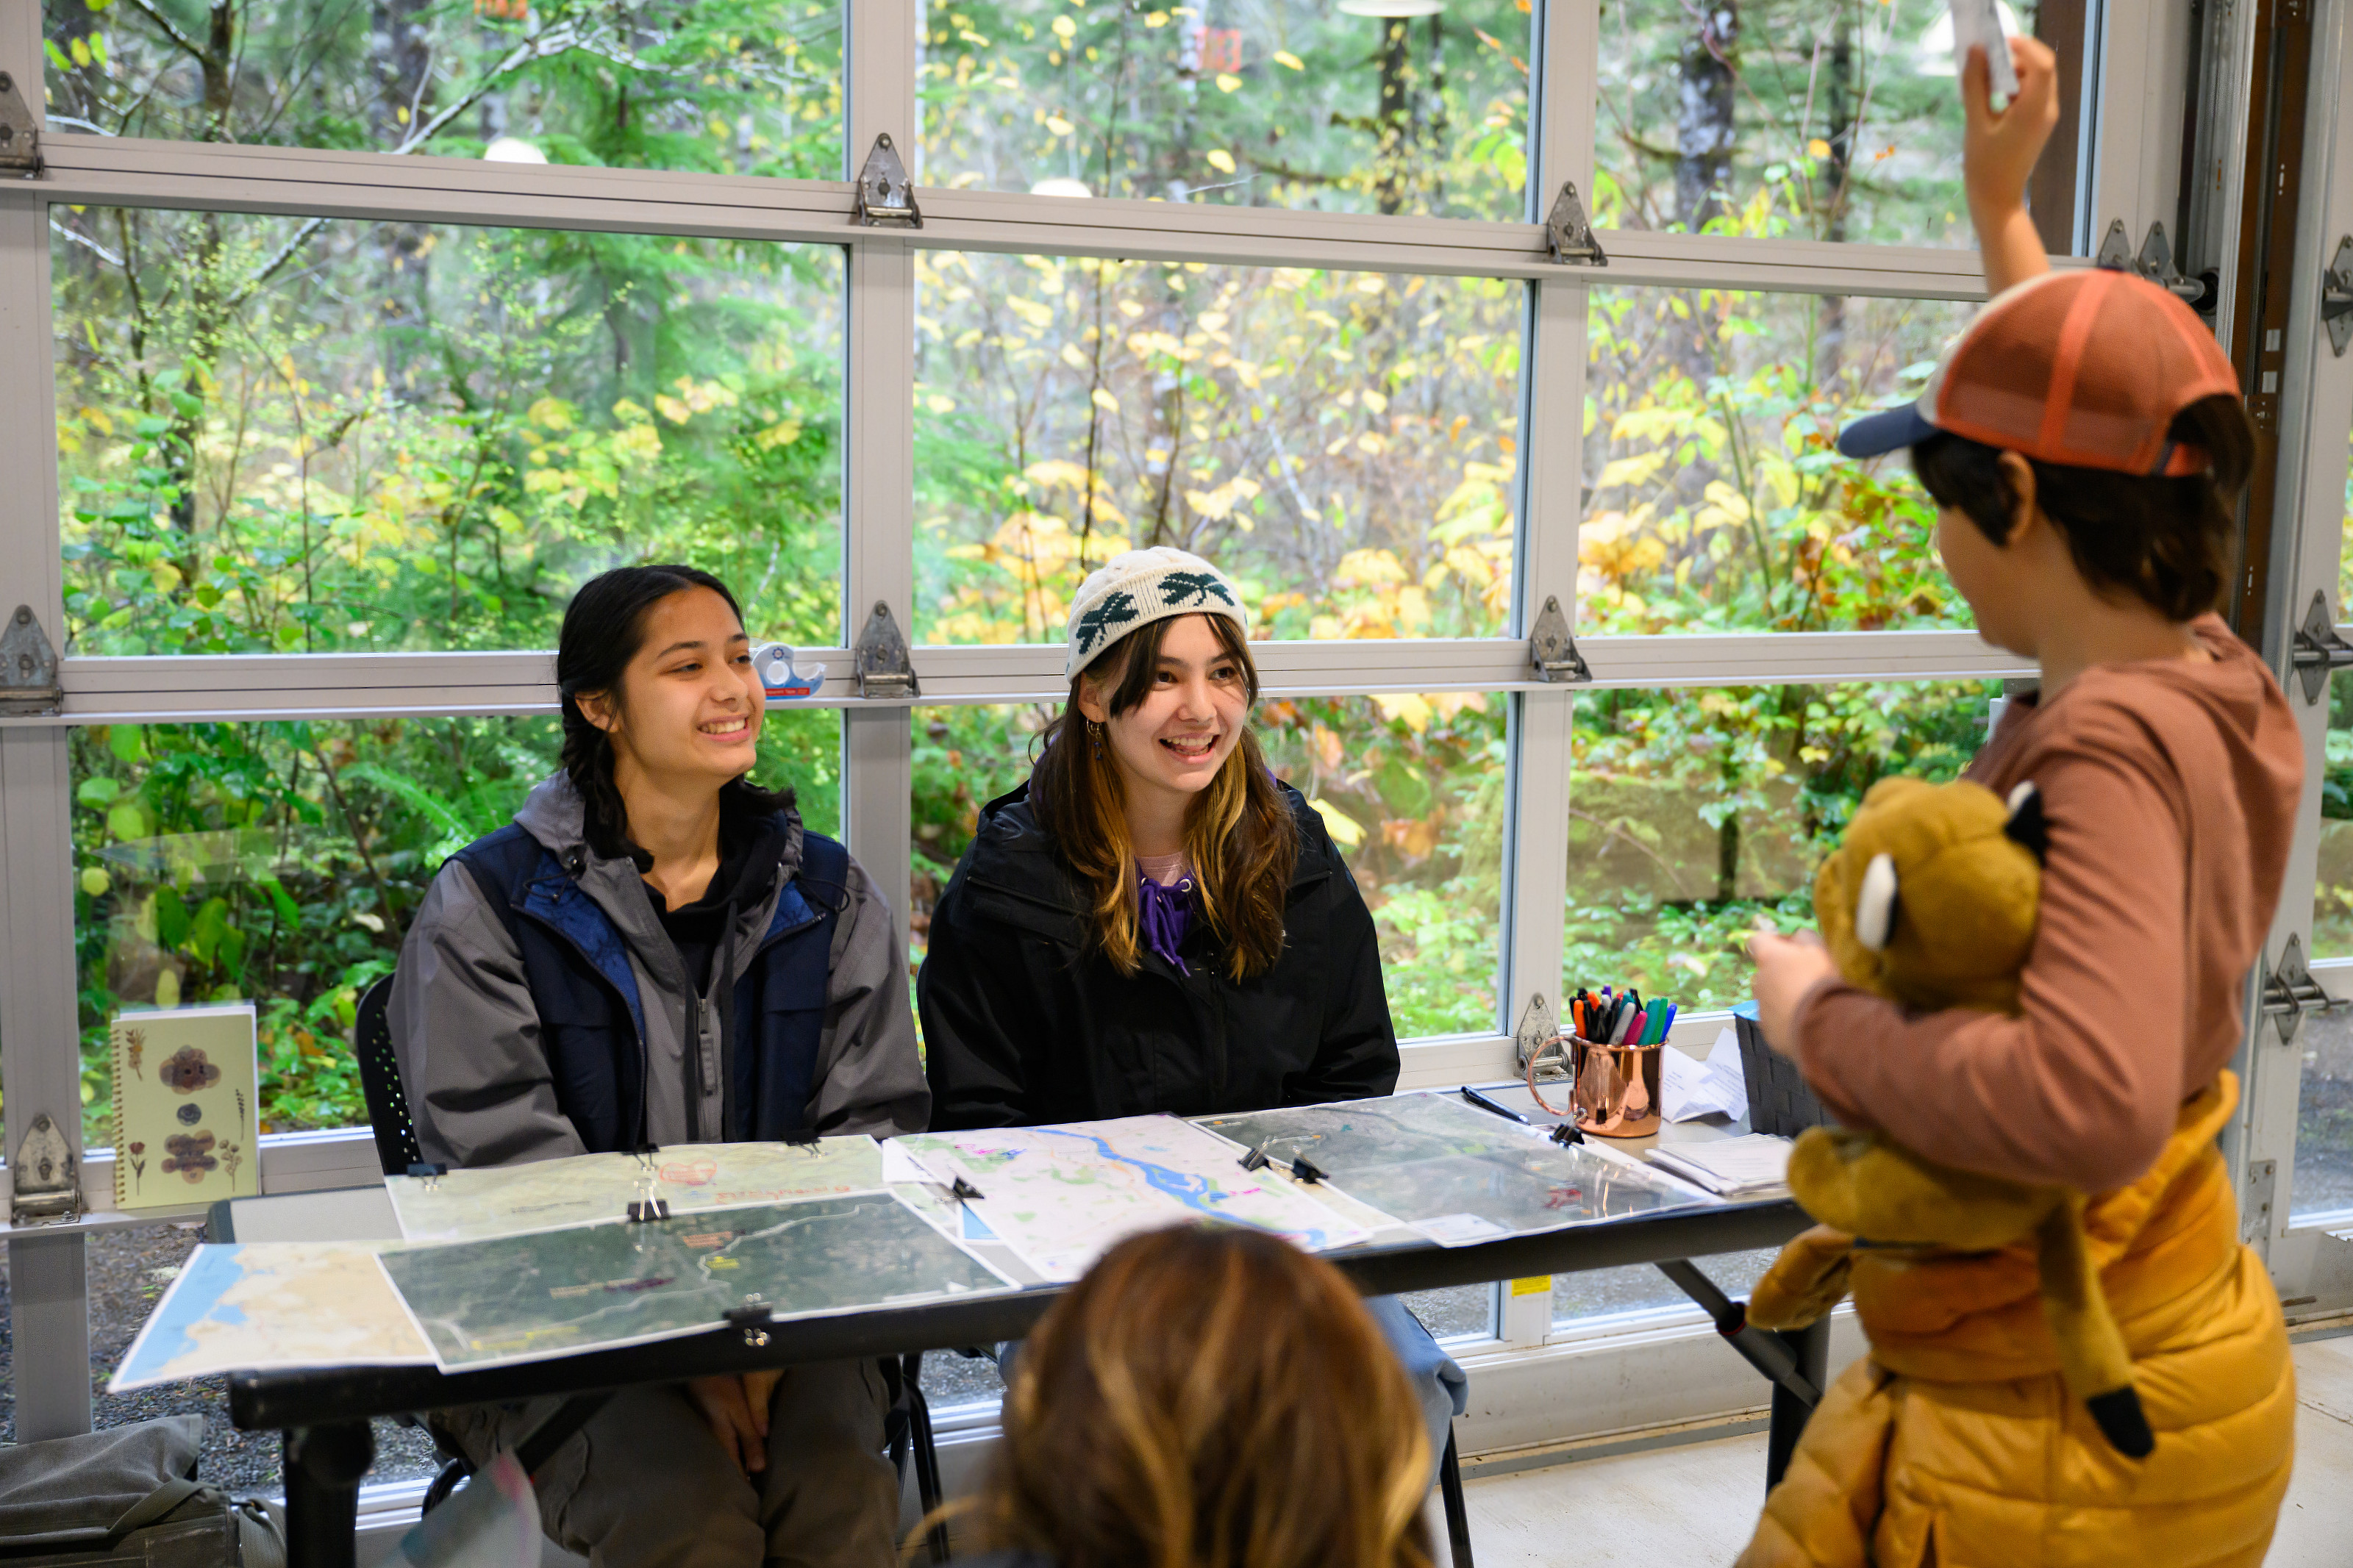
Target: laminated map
(272,1306)
(597,1287)
(1060,1197)
(1454,1172)
(589,1189)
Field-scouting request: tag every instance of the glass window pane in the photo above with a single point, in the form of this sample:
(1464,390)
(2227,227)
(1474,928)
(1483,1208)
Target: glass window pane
(1812,119)
(1410,786)
(1344,444)
(1695,812)
(128,1271)
(2324,1118)
(750,88)
(1640,1288)
(280,862)
(1291,103)
(281,434)
(1717,503)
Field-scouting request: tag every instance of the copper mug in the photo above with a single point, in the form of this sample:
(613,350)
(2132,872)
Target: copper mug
(1616,1088)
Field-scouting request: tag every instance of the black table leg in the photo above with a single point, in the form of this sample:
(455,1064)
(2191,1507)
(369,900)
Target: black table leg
(1811,1347)
(323,1466)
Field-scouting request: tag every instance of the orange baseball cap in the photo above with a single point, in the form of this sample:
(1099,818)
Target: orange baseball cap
(2085,368)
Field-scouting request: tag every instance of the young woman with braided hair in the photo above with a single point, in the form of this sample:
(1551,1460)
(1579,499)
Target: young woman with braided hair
(656,951)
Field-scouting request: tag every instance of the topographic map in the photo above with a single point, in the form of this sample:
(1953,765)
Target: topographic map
(1060,1196)
(559,1292)
(1454,1172)
(589,1189)
(269,1306)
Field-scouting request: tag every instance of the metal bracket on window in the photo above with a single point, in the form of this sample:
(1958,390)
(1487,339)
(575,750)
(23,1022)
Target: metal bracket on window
(20,132)
(1537,1039)
(1567,236)
(2154,262)
(2336,296)
(48,1185)
(2255,1203)
(29,666)
(884,666)
(884,196)
(1552,651)
(2289,992)
(2320,651)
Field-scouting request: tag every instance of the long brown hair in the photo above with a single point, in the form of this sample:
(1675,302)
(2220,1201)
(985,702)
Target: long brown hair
(1239,832)
(1208,1397)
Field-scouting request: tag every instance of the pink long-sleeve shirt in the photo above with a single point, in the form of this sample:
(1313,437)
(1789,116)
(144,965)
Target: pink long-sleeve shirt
(2171,789)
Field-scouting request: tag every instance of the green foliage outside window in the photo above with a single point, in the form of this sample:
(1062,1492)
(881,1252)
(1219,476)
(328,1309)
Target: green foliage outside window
(288,436)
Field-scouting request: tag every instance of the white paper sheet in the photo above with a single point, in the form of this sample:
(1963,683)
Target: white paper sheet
(1691,1088)
(1977,23)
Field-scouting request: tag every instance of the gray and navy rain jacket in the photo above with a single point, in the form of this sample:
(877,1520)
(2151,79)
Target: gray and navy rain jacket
(541,1009)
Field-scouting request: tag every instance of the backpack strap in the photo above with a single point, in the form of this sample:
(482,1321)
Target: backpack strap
(154,1508)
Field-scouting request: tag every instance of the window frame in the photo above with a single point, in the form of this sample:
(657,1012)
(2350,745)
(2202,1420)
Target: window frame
(2126,177)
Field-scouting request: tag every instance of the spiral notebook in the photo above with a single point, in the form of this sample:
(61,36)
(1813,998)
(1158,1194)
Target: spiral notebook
(187,1106)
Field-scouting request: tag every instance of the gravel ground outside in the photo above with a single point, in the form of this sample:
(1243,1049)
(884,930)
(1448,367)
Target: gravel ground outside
(127,1272)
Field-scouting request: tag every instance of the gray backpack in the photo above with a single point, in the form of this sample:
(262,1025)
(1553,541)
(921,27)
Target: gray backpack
(127,1496)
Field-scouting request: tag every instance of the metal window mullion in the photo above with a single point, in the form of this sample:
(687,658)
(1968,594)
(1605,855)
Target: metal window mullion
(2317,414)
(96,171)
(878,449)
(40,1059)
(2137,77)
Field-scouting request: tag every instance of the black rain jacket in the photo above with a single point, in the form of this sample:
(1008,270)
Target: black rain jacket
(1024,1026)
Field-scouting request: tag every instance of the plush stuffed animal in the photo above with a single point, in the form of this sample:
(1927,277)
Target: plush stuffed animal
(1931,900)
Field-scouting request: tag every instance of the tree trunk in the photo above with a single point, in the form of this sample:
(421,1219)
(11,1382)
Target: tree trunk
(1836,171)
(1704,121)
(1727,859)
(401,57)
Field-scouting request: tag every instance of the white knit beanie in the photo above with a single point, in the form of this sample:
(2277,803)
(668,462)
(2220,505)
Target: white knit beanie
(1144,585)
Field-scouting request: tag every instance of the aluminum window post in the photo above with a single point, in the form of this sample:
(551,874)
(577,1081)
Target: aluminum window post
(878,449)
(1535,842)
(40,1056)
(2317,414)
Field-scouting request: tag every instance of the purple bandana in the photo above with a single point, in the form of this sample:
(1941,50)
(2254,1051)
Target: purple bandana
(1163,916)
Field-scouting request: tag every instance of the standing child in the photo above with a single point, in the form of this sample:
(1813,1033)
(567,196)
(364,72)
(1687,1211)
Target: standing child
(2083,441)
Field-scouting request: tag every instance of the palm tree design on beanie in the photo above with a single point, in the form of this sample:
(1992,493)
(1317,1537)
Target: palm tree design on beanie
(1116,610)
(1191,588)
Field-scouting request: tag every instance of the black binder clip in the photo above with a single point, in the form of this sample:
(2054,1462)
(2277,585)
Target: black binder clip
(1303,1171)
(428,1172)
(1566,1133)
(753,1318)
(1256,1159)
(644,1209)
(801,1137)
(964,1192)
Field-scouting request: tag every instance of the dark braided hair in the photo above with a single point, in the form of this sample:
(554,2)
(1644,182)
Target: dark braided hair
(604,627)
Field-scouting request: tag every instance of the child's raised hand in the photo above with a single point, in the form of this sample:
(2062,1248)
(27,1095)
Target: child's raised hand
(1787,968)
(1999,150)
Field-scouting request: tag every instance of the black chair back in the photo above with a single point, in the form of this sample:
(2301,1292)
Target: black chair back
(395,1136)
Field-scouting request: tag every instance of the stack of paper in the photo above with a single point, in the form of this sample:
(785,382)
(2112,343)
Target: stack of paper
(1730,1167)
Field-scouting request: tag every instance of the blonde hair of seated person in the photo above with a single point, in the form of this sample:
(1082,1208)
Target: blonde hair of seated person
(1209,1398)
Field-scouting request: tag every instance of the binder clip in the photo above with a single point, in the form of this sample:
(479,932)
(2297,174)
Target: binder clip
(801,1137)
(429,1173)
(1303,1171)
(648,1204)
(963,1191)
(753,1318)
(1256,1160)
(1566,1133)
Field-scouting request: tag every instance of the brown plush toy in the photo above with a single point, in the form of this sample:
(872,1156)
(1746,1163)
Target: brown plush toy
(1931,901)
